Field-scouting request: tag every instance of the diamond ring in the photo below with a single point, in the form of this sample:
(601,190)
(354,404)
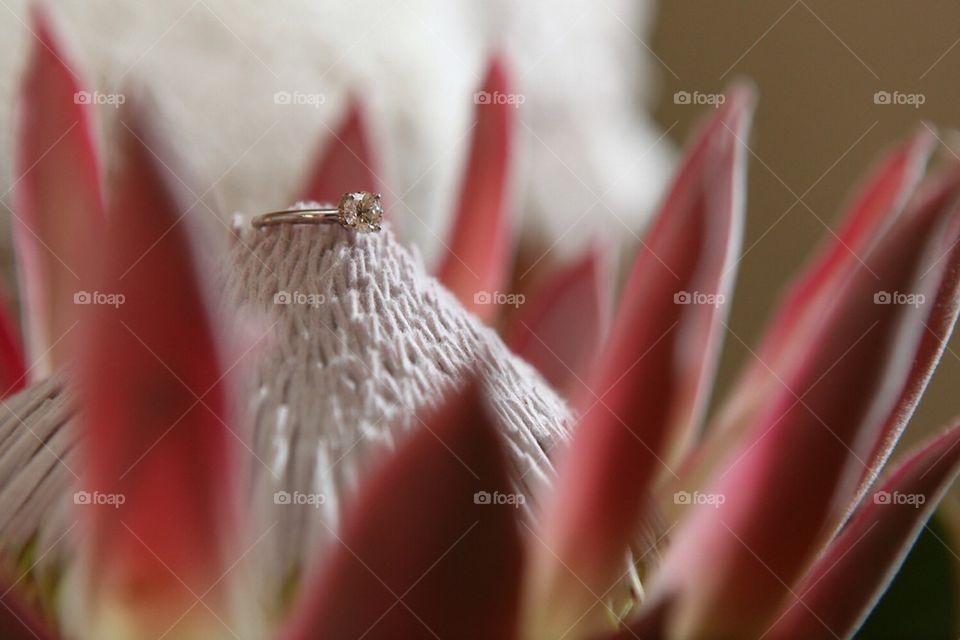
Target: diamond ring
(358,210)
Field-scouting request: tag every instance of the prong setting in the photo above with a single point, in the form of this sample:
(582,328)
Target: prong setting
(360,211)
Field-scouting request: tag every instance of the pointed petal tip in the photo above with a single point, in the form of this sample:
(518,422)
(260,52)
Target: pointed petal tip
(40,22)
(346,160)
(742,96)
(542,334)
(44,26)
(57,195)
(736,111)
(355,113)
(478,255)
(51,49)
(723,130)
(925,133)
(497,74)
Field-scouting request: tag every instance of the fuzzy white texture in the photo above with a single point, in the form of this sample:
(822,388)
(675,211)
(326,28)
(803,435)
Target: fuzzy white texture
(589,160)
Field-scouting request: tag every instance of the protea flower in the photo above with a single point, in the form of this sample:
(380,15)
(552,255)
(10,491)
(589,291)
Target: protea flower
(198,404)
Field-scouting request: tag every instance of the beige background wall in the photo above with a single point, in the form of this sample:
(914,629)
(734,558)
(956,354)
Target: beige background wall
(817,65)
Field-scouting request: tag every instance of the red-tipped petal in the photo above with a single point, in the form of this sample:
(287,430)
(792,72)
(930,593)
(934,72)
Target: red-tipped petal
(477,259)
(155,409)
(13,369)
(347,163)
(423,554)
(650,389)
(938,329)
(58,204)
(562,326)
(877,204)
(734,557)
(17,620)
(842,587)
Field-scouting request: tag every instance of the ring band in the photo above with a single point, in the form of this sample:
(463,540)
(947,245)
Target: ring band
(359,211)
(297,216)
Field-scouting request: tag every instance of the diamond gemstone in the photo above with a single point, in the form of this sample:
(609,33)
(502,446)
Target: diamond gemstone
(361,211)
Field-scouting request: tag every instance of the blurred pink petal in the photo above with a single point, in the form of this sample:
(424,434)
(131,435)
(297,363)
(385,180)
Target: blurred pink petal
(652,381)
(152,385)
(477,259)
(560,329)
(58,204)
(420,556)
(845,583)
(733,560)
(347,163)
(13,370)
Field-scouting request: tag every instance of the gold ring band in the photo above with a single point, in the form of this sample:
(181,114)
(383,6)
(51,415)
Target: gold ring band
(359,211)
